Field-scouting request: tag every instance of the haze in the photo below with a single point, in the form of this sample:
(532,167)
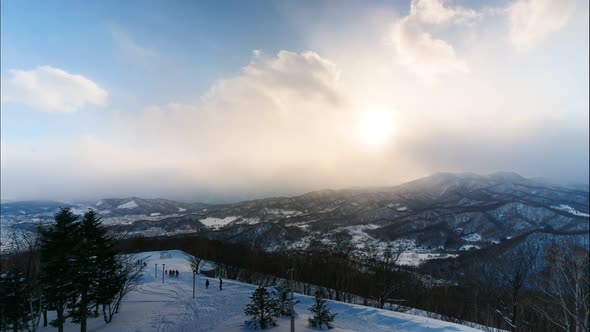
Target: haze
(226,100)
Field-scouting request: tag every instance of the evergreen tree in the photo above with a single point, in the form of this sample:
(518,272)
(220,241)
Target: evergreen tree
(321,313)
(283,294)
(14,311)
(262,308)
(57,273)
(94,262)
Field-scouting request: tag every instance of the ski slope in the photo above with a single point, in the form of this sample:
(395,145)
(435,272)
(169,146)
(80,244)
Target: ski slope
(154,306)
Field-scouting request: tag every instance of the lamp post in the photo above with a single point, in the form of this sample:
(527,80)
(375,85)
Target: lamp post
(290,271)
(194,276)
(163,265)
(156,271)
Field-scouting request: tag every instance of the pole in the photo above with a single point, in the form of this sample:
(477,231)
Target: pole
(194,275)
(163,265)
(156,272)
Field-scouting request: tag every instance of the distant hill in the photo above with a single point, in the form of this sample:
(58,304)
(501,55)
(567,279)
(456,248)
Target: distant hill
(438,216)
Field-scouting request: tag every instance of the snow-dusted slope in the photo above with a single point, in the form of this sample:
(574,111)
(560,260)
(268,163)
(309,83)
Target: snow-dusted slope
(444,211)
(128,205)
(170,307)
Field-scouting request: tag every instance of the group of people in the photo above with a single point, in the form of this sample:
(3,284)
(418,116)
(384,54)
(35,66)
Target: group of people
(174,273)
(171,273)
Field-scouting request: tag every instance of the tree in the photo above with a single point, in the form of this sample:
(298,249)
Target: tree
(321,313)
(262,308)
(195,262)
(382,268)
(514,270)
(57,274)
(566,294)
(283,300)
(25,252)
(125,278)
(13,301)
(94,261)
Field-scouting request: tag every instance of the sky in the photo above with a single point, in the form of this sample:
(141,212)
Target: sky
(229,100)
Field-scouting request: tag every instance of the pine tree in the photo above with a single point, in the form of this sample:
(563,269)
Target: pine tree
(283,294)
(114,275)
(321,313)
(262,308)
(57,273)
(94,259)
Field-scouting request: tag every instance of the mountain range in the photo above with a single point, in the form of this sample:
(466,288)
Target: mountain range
(437,216)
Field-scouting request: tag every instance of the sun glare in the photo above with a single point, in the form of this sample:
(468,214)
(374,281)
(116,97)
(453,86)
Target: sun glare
(376,127)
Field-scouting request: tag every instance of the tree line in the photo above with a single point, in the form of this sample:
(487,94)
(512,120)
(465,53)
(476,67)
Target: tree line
(526,289)
(522,289)
(71,267)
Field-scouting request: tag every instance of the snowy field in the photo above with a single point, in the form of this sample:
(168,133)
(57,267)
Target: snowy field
(170,307)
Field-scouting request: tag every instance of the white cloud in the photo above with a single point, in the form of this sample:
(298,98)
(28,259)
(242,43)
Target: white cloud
(281,115)
(422,53)
(136,53)
(305,76)
(261,114)
(51,89)
(288,122)
(435,12)
(418,50)
(531,21)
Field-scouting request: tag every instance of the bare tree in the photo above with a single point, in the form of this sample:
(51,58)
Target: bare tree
(382,266)
(129,275)
(513,270)
(565,300)
(25,246)
(195,262)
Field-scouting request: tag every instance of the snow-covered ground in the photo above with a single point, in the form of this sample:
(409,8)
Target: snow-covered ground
(571,210)
(129,205)
(283,212)
(169,306)
(217,222)
(468,247)
(414,258)
(472,237)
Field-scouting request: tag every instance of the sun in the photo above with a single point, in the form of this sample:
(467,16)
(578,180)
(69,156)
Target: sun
(376,127)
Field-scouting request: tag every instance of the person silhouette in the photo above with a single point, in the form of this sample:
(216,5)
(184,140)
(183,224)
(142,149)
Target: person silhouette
(220,284)
(207,284)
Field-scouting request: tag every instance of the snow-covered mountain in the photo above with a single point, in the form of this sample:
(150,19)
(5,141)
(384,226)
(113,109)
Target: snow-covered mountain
(169,306)
(136,205)
(448,211)
(436,216)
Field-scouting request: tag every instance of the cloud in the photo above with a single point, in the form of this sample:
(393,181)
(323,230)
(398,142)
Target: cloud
(304,76)
(531,21)
(288,122)
(418,50)
(261,114)
(136,53)
(435,12)
(423,54)
(51,89)
(282,115)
